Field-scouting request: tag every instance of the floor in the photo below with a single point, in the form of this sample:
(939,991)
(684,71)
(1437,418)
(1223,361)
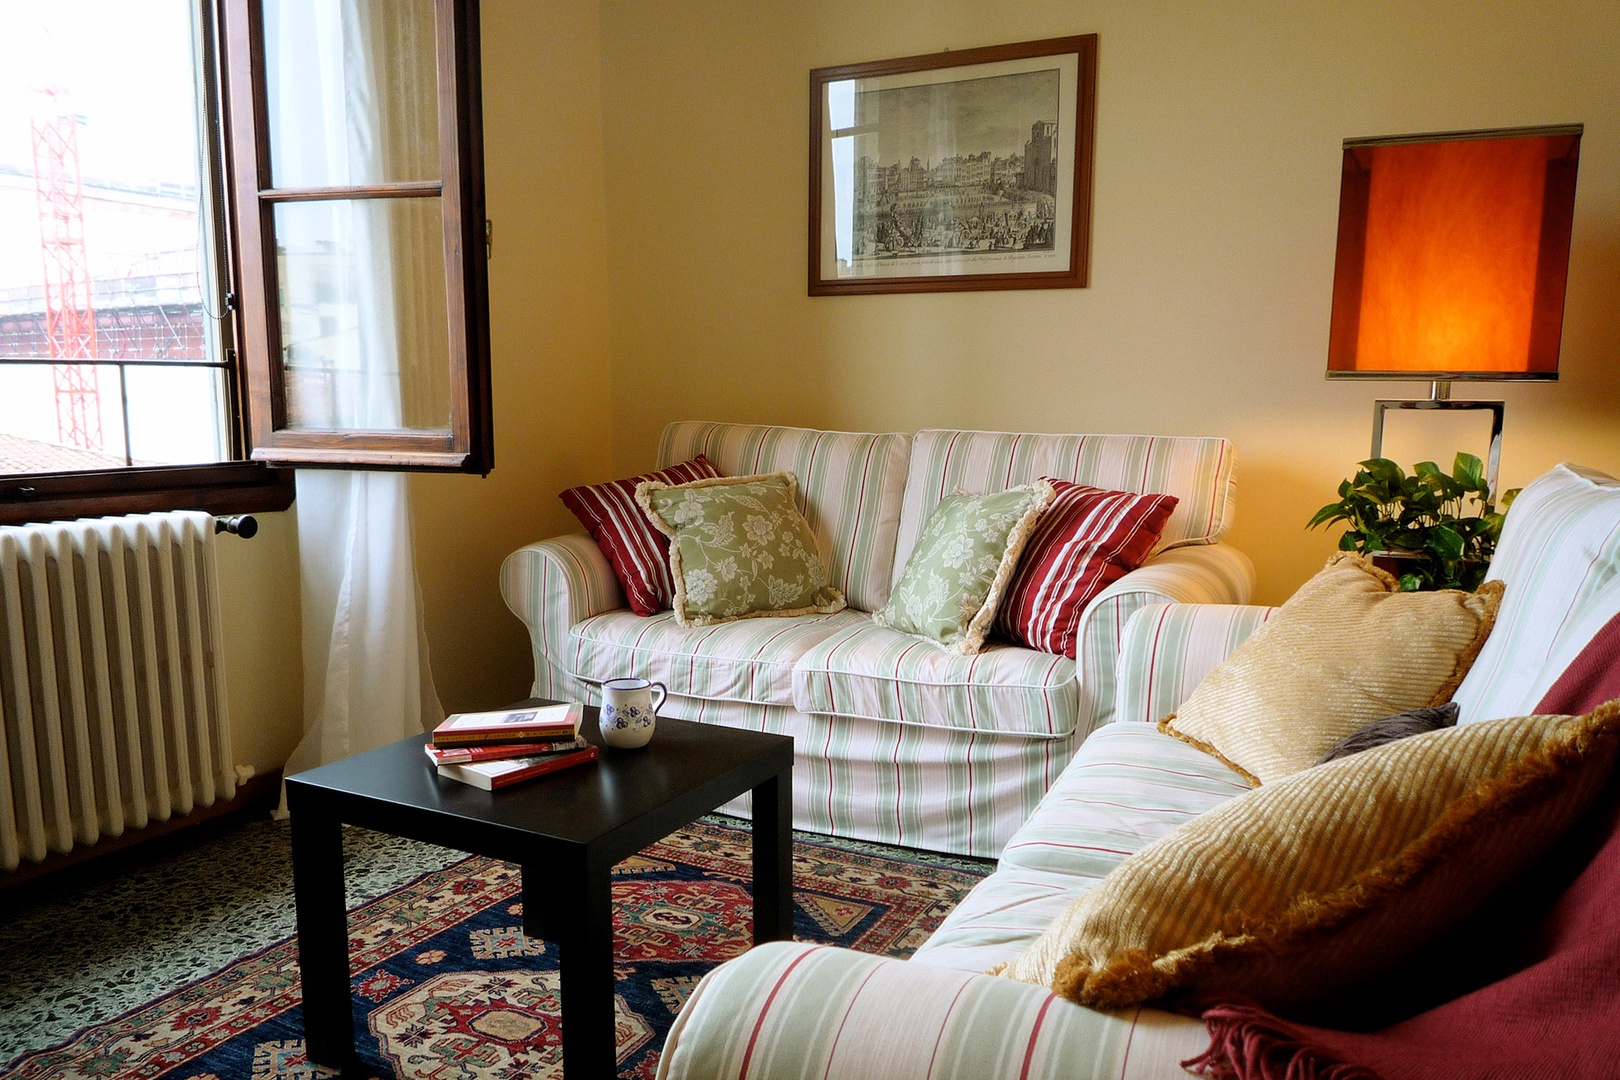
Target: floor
(119,932)
(86,946)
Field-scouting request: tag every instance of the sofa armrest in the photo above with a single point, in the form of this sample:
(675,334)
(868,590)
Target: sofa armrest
(1167,649)
(552,585)
(1201,574)
(798,1010)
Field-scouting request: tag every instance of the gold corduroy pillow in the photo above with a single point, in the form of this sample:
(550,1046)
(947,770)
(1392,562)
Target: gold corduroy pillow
(1348,648)
(1298,894)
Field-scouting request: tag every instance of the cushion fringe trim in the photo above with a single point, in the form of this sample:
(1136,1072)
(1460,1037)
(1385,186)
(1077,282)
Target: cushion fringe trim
(1246,1043)
(978,628)
(1166,725)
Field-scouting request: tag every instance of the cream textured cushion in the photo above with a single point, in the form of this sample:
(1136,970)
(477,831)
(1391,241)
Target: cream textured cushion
(1348,648)
(1299,894)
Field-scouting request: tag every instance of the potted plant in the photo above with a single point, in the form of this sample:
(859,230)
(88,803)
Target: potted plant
(1430,529)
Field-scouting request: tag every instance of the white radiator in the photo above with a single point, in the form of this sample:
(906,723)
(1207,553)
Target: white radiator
(111,679)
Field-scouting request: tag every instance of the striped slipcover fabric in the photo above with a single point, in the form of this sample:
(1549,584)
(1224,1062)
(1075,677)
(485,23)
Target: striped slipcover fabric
(871,780)
(931,762)
(1167,649)
(1127,786)
(850,485)
(871,672)
(554,585)
(1559,560)
(960,775)
(1211,574)
(791,1011)
(802,1010)
(1200,472)
(749,660)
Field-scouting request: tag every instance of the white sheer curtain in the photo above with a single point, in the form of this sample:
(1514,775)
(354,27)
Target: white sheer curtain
(347,267)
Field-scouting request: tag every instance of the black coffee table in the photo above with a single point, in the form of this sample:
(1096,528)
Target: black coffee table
(565,831)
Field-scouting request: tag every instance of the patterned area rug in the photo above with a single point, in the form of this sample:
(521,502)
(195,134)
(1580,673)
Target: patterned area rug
(447,987)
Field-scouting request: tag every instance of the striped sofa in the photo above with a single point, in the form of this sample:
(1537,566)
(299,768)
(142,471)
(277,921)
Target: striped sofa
(797,1010)
(897,740)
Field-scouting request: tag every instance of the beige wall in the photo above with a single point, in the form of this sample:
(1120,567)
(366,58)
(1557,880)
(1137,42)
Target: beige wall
(264,662)
(1217,162)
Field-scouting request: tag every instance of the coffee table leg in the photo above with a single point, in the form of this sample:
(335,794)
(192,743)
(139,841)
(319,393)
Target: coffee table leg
(323,936)
(578,916)
(773,859)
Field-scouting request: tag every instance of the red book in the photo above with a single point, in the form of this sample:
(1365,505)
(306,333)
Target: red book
(491,775)
(462,755)
(504,727)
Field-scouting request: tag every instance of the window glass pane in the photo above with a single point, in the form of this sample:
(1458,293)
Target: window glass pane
(164,403)
(159,400)
(353,92)
(30,438)
(103,214)
(364,334)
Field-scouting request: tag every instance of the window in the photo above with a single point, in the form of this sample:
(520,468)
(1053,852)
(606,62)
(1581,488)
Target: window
(237,234)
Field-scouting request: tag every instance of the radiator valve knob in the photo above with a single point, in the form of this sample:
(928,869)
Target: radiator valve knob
(244,525)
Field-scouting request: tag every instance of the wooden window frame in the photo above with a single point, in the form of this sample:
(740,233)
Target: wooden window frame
(469,446)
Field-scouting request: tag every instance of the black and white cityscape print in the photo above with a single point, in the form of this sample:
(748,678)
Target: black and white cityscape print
(994,191)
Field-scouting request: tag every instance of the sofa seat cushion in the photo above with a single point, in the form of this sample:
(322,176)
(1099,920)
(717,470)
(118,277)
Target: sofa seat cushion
(749,660)
(876,673)
(1128,785)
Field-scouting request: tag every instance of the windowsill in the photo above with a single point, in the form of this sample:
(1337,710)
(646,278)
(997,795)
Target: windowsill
(236,487)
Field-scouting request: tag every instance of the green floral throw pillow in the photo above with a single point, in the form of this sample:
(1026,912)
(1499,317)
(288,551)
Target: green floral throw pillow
(966,555)
(739,548)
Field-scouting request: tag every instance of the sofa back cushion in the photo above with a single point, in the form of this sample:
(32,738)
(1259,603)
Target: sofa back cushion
(1198,471)
(850,488)
(1559,559)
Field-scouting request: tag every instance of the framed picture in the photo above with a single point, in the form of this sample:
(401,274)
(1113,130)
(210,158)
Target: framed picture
(958,170)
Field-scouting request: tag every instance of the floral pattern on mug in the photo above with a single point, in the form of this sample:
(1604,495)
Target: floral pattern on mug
(629,711)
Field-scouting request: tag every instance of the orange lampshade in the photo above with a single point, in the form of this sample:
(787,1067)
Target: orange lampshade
(1453,255)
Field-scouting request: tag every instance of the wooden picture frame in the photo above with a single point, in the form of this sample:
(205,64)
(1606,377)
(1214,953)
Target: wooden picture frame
(954,171)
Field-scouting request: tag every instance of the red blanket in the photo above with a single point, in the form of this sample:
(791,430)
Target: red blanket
(1556,1016)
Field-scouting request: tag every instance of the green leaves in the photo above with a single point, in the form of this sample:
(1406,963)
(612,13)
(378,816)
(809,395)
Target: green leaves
(1446,542)
(1469,471)
(1446,518)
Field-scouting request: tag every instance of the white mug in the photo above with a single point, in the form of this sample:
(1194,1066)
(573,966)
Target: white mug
(628,711)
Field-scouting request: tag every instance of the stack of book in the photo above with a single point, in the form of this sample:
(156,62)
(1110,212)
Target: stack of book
(492,750)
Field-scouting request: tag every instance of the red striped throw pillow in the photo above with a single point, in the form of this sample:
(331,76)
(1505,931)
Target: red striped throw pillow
(638,552)
(1085,541)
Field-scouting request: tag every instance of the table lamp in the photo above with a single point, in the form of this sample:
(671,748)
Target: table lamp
(1452,260)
